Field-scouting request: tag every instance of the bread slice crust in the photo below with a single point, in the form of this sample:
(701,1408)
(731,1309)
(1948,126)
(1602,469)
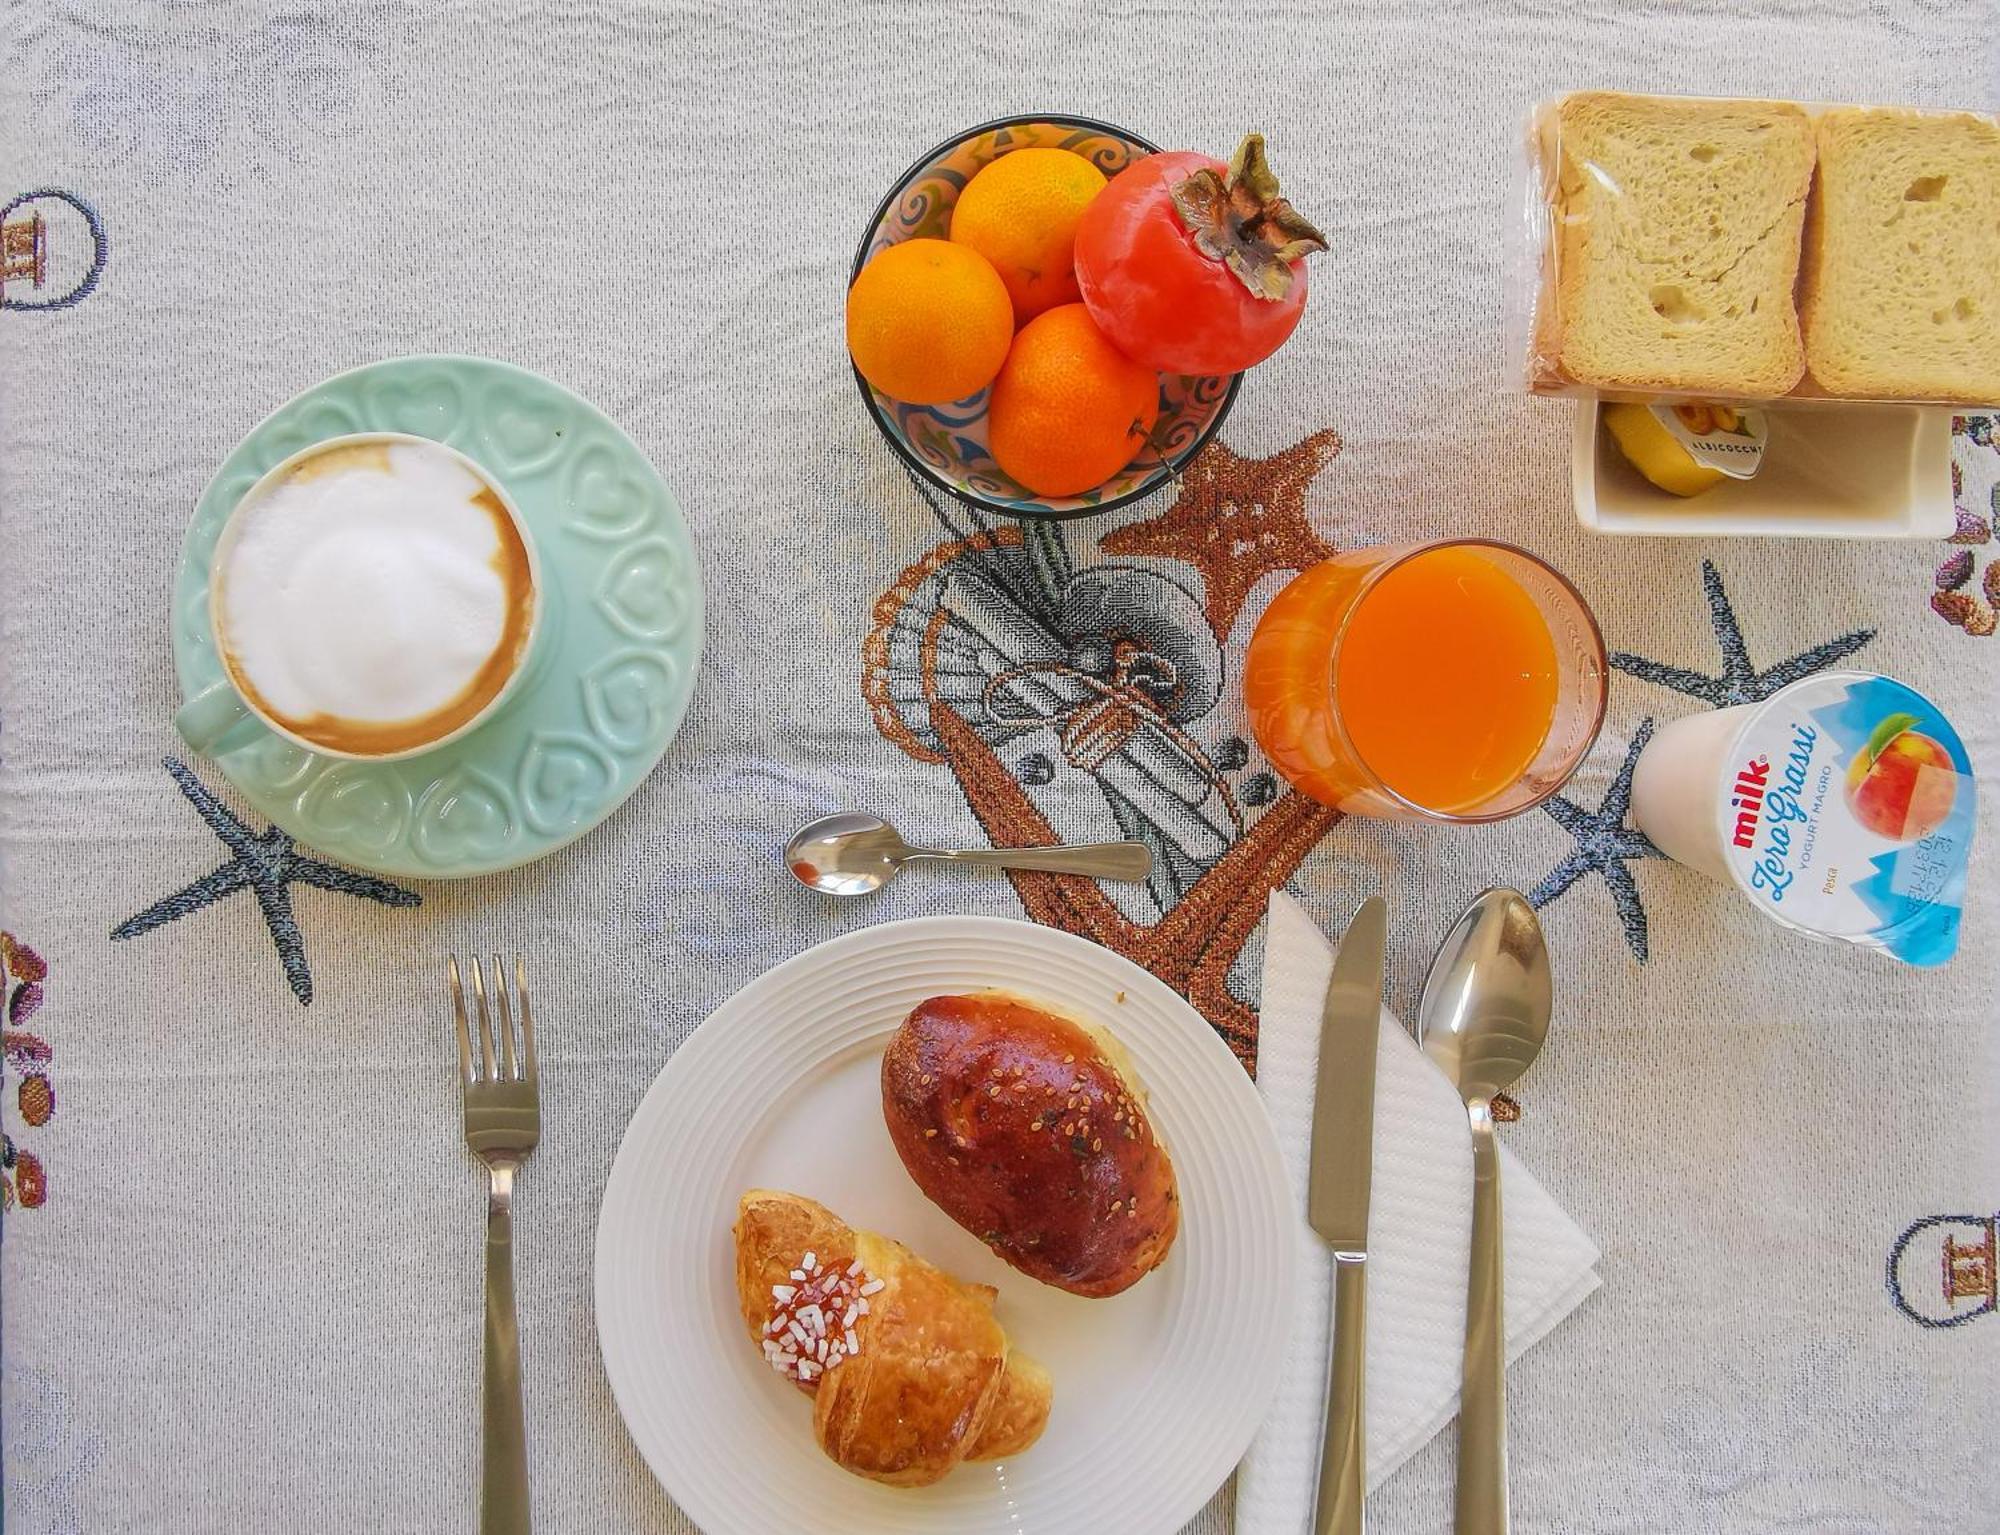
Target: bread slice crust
(1678,227)
(1901,295)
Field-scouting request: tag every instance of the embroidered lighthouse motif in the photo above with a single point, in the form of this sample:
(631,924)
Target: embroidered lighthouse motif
(24,251)
(1960,1256)
(52,250)
(1970,1272)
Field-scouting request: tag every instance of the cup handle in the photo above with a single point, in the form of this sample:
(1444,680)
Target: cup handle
(213,721)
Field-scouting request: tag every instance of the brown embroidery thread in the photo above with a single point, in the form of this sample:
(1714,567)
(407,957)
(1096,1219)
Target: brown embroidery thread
(1236,520)
(24,251)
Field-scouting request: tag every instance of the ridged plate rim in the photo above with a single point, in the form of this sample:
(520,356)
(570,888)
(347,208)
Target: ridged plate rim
(732,1444)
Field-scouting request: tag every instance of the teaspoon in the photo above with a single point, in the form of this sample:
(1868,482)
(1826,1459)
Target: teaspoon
(852,854)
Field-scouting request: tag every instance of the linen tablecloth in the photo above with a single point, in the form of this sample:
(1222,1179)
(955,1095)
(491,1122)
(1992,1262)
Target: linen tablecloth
(241,1282)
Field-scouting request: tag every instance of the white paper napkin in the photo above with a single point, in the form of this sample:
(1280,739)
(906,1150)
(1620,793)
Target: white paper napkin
(1419,1238)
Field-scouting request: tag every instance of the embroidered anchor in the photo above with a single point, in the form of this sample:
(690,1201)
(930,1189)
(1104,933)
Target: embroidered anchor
(1043,683)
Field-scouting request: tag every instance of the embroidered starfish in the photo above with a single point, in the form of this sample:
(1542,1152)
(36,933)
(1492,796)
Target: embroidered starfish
(1741,682)
(1605,844)
(268,864)
(1236,520)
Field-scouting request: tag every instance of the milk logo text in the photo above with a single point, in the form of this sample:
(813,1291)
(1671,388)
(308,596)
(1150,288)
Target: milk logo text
(1747,796)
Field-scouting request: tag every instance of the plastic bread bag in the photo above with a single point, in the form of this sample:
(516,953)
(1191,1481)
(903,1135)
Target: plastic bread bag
(1693,248)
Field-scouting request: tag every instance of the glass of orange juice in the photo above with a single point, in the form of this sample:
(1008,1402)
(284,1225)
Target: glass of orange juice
(1455,681)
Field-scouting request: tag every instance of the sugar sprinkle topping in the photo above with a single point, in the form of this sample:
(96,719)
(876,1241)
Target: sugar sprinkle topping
(811,1326)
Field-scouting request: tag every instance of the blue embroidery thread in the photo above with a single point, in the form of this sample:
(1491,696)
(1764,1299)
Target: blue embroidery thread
(1969,1271)
(1605,844)
(50,1454)
(101,249)
(268,864)
(1741,682)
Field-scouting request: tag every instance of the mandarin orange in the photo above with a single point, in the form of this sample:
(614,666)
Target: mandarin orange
(929,322)
(1069,410)
(1020,212)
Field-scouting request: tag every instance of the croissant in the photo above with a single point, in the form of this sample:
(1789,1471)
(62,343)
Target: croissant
(909,1372)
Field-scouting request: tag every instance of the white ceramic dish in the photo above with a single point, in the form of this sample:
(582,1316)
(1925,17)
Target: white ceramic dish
(1838,470)
(1157,1391)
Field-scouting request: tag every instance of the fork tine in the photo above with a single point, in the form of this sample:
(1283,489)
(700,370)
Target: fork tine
(506,1021)
(485,1020)
(527,1018)
(458,1016)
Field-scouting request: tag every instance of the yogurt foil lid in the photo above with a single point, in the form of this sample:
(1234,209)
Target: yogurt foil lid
(1848,812)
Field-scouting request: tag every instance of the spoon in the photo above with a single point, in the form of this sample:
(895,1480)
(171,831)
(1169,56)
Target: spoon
(1484,1015)
(853,854)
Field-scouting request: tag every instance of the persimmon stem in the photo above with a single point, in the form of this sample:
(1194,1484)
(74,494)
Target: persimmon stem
(1244,222)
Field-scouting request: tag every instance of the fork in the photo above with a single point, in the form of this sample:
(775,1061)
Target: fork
(503,1120)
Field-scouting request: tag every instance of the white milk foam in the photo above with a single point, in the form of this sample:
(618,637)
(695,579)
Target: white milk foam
(366,595)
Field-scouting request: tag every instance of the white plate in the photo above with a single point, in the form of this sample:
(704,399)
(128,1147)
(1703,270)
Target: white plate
(1157,1391)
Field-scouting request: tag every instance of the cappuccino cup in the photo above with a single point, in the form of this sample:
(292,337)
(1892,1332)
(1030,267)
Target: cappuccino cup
(371,597)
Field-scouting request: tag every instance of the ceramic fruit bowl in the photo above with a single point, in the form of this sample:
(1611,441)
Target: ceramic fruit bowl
(946,444)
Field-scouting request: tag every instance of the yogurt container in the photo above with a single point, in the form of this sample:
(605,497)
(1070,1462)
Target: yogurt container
(1841,806)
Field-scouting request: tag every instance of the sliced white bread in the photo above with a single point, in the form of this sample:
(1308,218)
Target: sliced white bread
(1678,227)
(1902,266)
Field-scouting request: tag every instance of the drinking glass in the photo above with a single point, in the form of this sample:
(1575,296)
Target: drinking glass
(1461,680)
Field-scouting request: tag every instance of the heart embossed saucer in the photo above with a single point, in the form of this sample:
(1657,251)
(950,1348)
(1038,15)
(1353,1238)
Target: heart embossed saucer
(612,668)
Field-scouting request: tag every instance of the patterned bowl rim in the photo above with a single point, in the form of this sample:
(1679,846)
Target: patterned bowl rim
(1169,468)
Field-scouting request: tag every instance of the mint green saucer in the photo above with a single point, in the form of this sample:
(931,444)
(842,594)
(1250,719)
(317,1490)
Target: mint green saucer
(612,668)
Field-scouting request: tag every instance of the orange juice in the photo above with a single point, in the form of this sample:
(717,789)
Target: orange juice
(1437,681)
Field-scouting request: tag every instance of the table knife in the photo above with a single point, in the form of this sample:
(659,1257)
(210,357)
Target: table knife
(1343,1140)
